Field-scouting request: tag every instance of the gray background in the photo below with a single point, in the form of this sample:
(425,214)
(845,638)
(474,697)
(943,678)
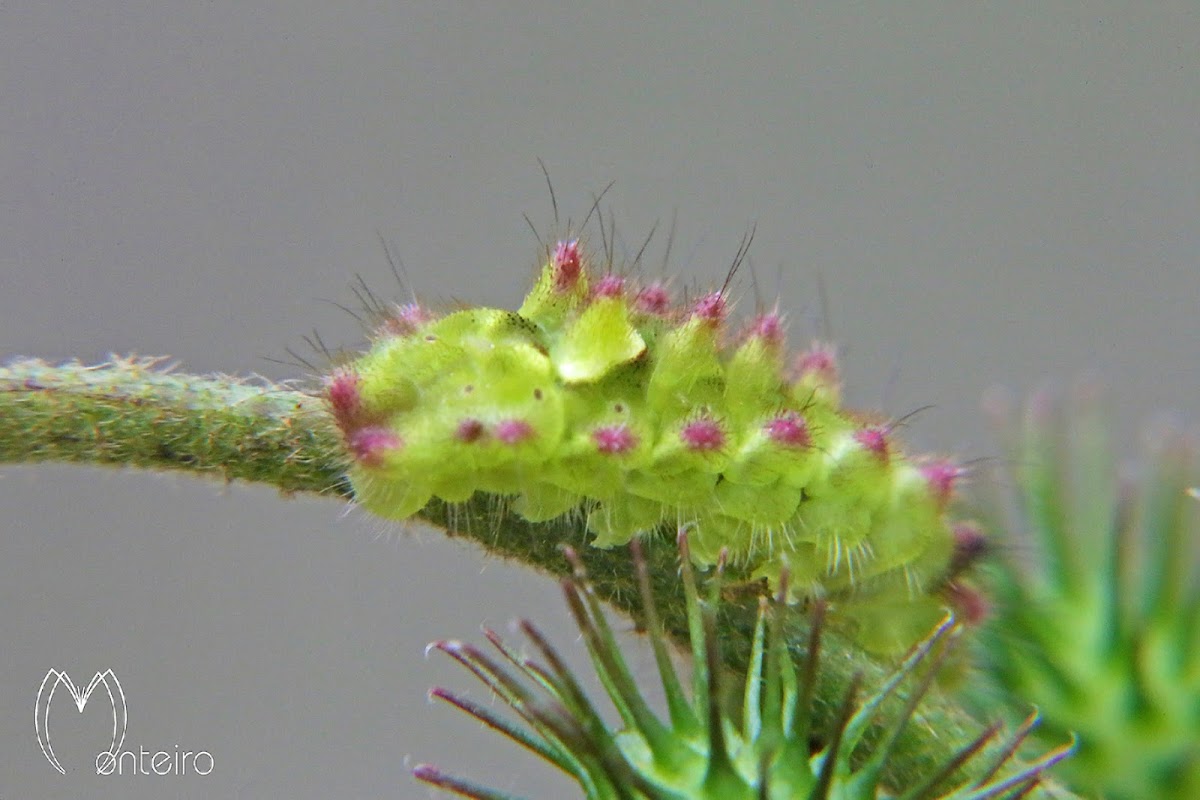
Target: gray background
(993,194)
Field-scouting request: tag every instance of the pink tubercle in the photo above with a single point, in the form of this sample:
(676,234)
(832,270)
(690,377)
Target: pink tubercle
(874,440)
(614,439)
(941,476)
(371,445)
(654,300)
(610,285)
(818,361)
(970,605)
(970,545)
(789,430)
(469,430)
(513,431)
(341,389)
(406,320)
(568,265)
(769,328)
(702,435)
(711,308)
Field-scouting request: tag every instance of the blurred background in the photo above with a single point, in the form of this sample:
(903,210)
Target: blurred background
(1001,195)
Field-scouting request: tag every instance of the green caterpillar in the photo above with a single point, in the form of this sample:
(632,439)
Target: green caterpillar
(605,396)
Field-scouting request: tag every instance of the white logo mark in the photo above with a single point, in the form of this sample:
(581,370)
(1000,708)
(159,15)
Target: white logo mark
(41,713)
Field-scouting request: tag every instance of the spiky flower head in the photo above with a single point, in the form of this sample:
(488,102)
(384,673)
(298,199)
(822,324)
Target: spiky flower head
(1096,615)
(765,747)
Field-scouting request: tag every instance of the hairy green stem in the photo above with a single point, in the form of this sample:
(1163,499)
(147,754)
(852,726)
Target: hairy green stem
(136,412)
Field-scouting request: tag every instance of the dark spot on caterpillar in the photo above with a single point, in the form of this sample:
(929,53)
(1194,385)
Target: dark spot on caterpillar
(522,324)
(469,430)
(537,394)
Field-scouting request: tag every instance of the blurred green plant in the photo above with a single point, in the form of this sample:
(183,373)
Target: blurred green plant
(1096,595)
(764,747)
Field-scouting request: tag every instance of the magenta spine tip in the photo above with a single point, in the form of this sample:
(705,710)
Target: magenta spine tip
(653,300)
(407,319)
(610,286)
(427,773)
(614,439)
(768,328)
(970,545)
(789,430)
(372,444)
(970,605)
(941,475)
(568,265)
(341,389)
(874,440)
(711,308)
(818,361)
(513,431)
(703,435)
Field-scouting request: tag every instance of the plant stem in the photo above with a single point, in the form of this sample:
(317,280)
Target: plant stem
(138,412)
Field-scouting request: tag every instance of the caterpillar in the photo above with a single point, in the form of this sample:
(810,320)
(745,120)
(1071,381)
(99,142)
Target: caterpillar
(605,395)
